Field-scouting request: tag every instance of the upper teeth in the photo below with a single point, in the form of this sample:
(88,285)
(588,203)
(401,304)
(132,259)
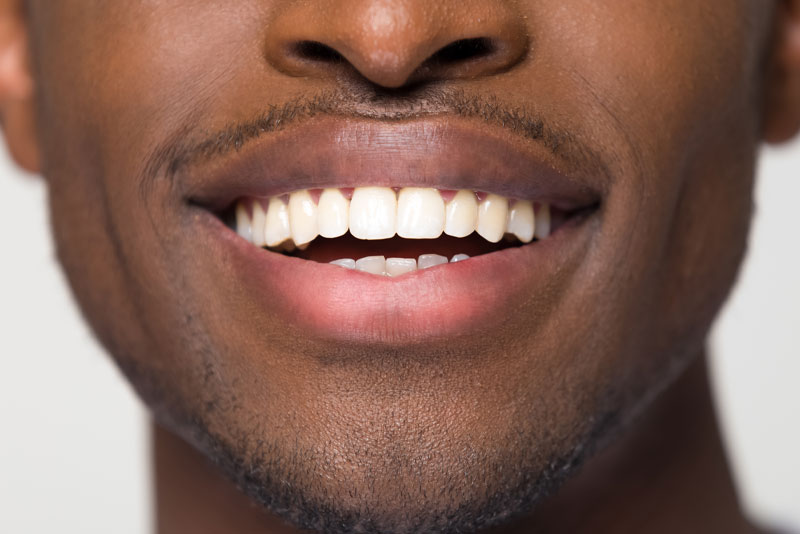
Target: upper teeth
(382,213)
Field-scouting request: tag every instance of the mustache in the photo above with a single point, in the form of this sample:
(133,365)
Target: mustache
(185,150)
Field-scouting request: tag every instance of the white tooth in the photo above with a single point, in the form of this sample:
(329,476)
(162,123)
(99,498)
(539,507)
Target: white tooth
(430,260)
(347,263)
(277,228)
(258,224)
(302,217)
(398,266)
(372,264)
(373,213)
(459,257)
(521,221)
(420,213)
(461,214)
(334,211)
(243,226)
(543,221)
(492,217)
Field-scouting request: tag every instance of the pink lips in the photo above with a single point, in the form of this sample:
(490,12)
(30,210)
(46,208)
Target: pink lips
(332,302)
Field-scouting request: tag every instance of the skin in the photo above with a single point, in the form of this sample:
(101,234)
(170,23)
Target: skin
(673,97)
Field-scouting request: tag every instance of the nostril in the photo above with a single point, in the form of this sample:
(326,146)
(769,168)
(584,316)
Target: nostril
(317,52)
(462,51)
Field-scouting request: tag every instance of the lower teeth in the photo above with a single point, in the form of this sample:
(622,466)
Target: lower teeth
(382,266)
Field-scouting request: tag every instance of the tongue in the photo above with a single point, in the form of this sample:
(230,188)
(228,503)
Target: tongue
(326,250)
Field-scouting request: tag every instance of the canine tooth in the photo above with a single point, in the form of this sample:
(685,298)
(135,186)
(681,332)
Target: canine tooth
(373,213)
(543,221)
(420,213)
(398,266)
(334,212)
(243,226)
(430,260)
(459,257)
(259,227)
(521,221)
(302,217)
(347,263)
(277,229)
(461,214)
(492,217)
(372,265)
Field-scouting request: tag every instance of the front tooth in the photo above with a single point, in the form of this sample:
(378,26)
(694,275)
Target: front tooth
(347,263)
(521,221)
(399,266)
(243,226)
(373,213)
(334,211)
(302,217)
(430,260)
(459,257)
(543,221)
(277,229)
(420,213)
(492,217)
(461,214)
(258,224)
(372,265)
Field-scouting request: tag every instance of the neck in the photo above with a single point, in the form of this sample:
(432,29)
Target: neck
(667,473)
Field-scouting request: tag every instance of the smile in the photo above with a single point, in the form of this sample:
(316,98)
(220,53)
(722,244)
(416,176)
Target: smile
(384,232)
(391,231)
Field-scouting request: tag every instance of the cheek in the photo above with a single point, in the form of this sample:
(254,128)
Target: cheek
(668,91)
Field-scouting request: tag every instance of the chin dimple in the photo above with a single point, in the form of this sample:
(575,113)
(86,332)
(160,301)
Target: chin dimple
(287,222)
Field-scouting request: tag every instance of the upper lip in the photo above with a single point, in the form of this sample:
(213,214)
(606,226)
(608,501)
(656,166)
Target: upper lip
(441,152)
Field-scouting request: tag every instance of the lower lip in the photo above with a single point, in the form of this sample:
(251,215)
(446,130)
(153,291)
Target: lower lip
(455,299)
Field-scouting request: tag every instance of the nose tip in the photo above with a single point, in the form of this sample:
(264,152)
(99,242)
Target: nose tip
(396,43)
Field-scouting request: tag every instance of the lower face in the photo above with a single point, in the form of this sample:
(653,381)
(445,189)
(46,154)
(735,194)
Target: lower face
(387,396)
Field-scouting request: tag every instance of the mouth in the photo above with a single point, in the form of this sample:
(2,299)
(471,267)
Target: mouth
(385,232)
(391,231)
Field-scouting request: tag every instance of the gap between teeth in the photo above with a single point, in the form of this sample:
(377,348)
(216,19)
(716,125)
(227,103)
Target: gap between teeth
(373,213)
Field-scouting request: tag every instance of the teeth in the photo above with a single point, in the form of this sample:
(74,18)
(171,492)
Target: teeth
(400,266)
(378,213)
(243,226)
(543,222)
(430,260)
(492,218)
(521,221)
(373,213)
(420,213)
(302,218)
(395,266)
(461,214)
(276,229)
(372,265)
(258,224)
(334,212)
(347,263)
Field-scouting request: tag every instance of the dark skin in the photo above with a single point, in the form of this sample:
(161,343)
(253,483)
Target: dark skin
(420,432)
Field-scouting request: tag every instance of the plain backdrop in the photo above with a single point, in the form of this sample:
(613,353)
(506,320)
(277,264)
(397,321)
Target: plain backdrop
(74,442)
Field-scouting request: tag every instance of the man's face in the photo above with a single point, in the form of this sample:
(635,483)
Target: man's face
(452,396)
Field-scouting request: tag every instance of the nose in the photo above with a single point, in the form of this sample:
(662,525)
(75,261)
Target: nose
(396,43)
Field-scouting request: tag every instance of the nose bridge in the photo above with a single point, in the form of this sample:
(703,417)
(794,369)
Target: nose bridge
(389,41)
